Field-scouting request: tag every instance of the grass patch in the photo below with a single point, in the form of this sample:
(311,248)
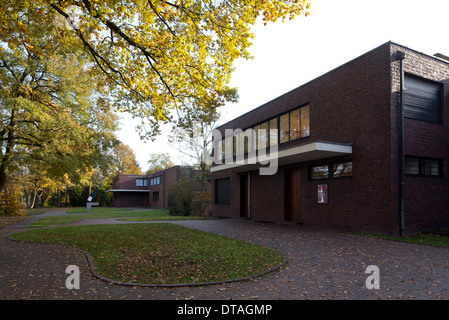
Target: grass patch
(424,238)
(147,215)
(160,253)
(98,210)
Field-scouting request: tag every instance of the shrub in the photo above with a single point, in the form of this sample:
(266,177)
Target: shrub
(11,202)
(185,200)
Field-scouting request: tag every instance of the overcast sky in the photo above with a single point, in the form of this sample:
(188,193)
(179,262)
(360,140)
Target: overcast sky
(290,54)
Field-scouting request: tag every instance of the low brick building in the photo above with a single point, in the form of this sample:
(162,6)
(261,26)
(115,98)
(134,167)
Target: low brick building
(146,190)
(347,156)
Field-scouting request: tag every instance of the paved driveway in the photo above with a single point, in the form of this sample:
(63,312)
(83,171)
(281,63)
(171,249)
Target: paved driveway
(322,265)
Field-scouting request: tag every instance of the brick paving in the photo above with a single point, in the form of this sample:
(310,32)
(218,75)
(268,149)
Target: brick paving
(323,264)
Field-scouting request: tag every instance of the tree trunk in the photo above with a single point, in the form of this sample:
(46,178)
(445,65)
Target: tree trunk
(8,150)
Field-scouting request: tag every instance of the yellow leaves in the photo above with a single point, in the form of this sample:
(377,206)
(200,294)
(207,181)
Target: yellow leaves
(158,55)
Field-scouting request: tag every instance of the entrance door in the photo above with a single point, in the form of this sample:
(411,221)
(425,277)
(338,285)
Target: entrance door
(244,196)
(293,194)
(144,199)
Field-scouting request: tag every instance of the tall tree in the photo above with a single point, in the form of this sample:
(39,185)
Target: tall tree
(53,109)
(123,160)
(158,162)
(162,59)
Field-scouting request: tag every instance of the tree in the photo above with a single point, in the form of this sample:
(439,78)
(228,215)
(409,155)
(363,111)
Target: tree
(196,143)
(162,60)
(158,162)
(123,160)
(54,111)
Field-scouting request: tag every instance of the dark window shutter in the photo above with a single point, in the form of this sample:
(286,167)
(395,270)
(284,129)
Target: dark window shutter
(422,99)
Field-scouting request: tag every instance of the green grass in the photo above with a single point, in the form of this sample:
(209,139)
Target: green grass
(160,253)
(98,210)
(147,215)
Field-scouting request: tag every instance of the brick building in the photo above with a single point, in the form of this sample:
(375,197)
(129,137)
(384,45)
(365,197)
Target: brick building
(146,190)
(347,156)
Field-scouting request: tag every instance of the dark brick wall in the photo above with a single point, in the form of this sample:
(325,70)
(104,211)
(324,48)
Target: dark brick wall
(426,199)
(355,103)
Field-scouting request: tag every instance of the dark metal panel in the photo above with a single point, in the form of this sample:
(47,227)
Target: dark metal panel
(222,191)
(422,99)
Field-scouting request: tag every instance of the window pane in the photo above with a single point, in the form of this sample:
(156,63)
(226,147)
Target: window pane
(240,144)
(320,172)
(284,126)
(343,169)
(263,135)
(412,166)
(219,150)
(426,167)
(256,136)
(435,168)
(430,167)
(273,134)
(229,147)
(295,127)
(305,123)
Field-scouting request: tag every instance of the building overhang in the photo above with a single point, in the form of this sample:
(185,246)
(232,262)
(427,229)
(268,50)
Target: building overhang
(308,152)
(127,190)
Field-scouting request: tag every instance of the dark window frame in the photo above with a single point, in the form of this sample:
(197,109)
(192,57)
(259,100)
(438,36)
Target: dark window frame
(330,170)
(268,136)
(144,182)
(421,165)
(156,181)
(156,196)
(289,124)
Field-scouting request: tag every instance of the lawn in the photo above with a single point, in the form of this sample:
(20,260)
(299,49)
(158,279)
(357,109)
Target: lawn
(130,215)
(98,210)
(160,253)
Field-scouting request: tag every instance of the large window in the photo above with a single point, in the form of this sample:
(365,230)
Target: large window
(155,181)
(294,125)
(222,191)
(331,170)
(422,99)
(273,124)
(284,131)
(284,128)
(423,167)
(141,182)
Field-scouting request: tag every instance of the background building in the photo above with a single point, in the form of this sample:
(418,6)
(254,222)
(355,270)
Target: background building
(149,190)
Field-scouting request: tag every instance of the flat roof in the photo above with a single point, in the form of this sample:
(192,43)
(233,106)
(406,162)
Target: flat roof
(303,153)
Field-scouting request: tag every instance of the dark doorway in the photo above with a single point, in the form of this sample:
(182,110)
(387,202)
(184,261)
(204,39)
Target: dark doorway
(293,195)
(244,196)
(145,199)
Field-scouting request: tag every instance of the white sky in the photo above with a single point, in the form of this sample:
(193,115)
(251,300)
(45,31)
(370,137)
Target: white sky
(290,54)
